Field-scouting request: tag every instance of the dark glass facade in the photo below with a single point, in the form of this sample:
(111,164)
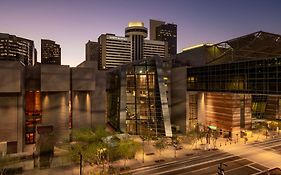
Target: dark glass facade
(17,49)
(50,52)
(113,100)
(168,33)
(135,89)
(254,77)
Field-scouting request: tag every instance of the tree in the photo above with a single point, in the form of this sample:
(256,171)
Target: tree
(127,149)
(191,138)
(95,154)
(215,135)
(176,142)
(144,138)
(273,125)
(160,144)
(261,128)
(201,136)
(88,146)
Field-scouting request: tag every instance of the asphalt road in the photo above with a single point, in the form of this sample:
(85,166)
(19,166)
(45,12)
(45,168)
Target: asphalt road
(207,162)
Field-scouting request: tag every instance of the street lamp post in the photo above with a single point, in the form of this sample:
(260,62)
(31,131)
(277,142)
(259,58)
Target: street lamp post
(143,151)
(101,156)
(175,146)
(175,143)
(80,163)
(143,139)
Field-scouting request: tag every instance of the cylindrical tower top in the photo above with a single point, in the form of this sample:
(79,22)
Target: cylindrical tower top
(136,24)
(136,28)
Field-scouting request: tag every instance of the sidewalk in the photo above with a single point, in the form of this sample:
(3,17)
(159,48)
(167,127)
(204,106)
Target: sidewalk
(151,155)
(168,154)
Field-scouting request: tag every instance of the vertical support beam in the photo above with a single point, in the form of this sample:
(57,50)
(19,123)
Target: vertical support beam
(178,98)
(123,100)
(163,97)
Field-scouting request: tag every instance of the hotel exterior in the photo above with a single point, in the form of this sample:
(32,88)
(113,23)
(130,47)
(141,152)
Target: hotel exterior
(119,50)
(228,85)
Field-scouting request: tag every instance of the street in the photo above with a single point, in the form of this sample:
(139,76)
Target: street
(239,159)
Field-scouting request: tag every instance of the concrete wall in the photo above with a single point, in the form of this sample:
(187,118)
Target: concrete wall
(11,76)
(12,103)
(178,98)
(55,78)
(83,85)
(32,78)
(11,115)
(89,95)
(55,86)
(83,79)
(55,111)
(54,83)
(99,100)
(81,111)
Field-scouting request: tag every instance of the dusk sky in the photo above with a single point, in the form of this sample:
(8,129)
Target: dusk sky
(71,23)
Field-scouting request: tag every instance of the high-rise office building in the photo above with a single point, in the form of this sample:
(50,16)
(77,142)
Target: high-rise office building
(50,52)
(119,50)
(152,28)
(92,51)
(17,49)
(162,31)
(168,33)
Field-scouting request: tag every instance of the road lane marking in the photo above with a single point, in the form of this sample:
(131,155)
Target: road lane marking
(177,162)
(190,166)
(254,168)
(271,143)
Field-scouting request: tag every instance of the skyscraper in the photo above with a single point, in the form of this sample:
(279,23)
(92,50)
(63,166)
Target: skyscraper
(168,33)
(114,51)
(17,49)
(50,52)
(162,31)
(92,51)
(152,28)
